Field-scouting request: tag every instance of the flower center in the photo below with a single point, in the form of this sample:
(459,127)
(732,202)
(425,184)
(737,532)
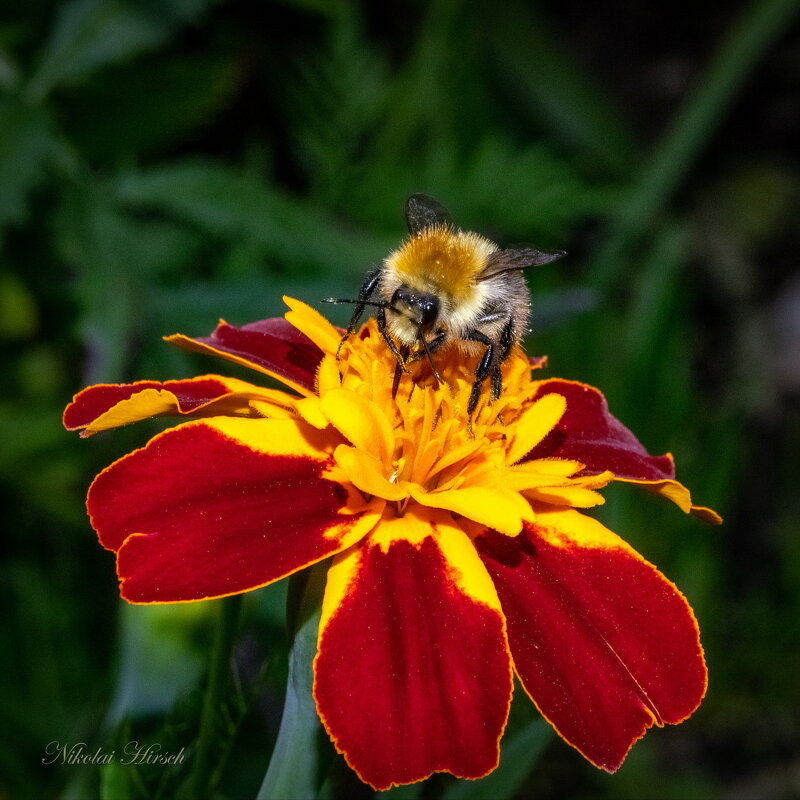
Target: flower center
(435,443)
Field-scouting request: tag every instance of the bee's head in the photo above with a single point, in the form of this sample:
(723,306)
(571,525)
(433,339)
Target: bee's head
(422,308)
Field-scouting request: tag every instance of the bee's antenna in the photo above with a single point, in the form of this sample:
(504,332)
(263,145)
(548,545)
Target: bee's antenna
(360,303)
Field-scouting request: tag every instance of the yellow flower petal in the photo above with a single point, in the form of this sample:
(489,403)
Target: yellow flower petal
(560,467)
(276,436)
(328,376)
(496,508)
(680,495)
(309,409)
(575,496)
(267,409)
(360,421)
(414,526)
(366,472)
(144,404)
(534,424)
(310,322)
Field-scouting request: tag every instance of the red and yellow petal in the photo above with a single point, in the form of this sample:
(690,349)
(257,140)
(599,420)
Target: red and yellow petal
(104,406)
(589,433)
(603,643)
(221,506)
(413,673)
(272,346)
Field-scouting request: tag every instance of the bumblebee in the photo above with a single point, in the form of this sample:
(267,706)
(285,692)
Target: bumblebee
(445,287)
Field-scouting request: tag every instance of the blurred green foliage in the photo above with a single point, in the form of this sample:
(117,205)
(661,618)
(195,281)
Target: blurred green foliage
(164,163)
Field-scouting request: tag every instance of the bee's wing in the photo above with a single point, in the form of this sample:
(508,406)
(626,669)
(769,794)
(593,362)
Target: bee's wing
(517,258)
(423,211)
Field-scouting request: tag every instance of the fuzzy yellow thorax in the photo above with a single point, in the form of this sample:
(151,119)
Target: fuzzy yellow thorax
(442,261)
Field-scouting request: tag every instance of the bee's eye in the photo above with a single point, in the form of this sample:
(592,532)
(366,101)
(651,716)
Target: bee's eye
(421,307)
(429,312)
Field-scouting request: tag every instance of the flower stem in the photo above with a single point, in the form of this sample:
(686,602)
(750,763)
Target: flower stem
(203,772)
(293,768)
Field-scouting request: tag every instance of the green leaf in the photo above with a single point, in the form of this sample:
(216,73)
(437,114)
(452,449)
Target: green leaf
(138,109)
(195,306)
(116,259)
(217,727)
(90,34)
(325,7)
(408,791)
(540,195)
(518,756)
(528,194)
(116,782)
(548,86)
(158,661)
(27,142)
(221,201)
(293,767)
(337,96)
(649,315)
(19,315)
(9,69)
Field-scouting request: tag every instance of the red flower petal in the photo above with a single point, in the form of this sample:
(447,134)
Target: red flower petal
(603,643)
(413,673)
(270,345)
(589,433)
(222,506)
(109,405)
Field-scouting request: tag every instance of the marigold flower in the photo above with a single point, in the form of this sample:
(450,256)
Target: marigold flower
(459,554)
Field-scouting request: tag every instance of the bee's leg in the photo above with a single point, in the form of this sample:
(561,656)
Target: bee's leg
(381,318)
(506,343)
(490,316)
(436,376)
(497,382)
(398,371)
(364,293)
(428,348)
(433,345)
(438,340)
(506,340)
(484,367)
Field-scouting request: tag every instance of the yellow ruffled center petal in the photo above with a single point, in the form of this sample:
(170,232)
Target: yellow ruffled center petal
(409,439)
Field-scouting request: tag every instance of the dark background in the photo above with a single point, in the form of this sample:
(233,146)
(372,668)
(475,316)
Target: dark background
(164,164)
